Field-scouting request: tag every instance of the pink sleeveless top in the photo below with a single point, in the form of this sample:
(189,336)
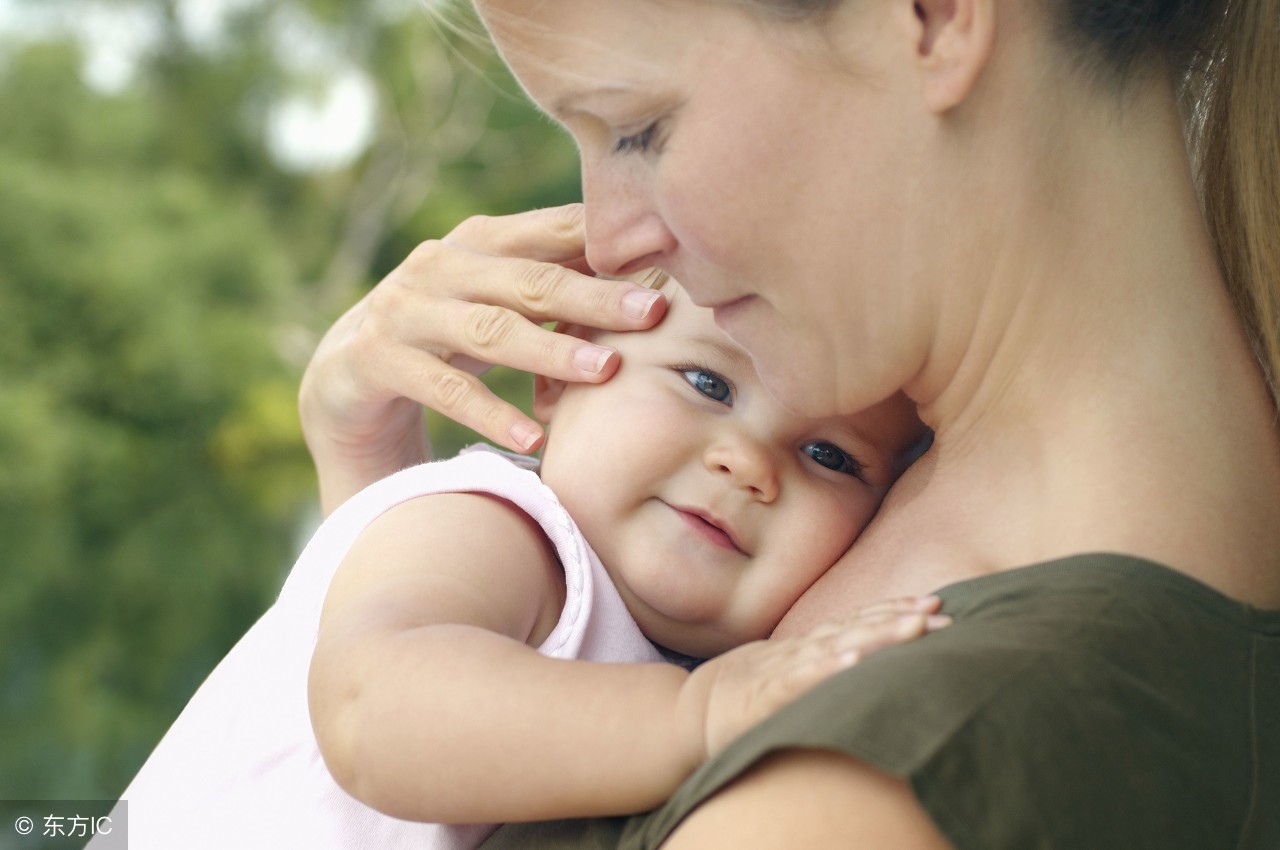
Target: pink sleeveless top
(240,767)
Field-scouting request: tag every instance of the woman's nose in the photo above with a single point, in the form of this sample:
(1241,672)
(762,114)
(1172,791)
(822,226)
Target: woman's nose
(748,463)
(624,231)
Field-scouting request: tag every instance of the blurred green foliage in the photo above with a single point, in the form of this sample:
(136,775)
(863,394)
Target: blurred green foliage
(163,279)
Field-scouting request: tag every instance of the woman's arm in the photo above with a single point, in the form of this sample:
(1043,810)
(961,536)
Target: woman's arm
(429,704)
(454,306)
(812,799)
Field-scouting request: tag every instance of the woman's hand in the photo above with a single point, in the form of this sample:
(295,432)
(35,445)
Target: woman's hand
(729,694)
(455,306)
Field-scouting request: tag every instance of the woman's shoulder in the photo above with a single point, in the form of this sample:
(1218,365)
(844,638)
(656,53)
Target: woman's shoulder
(1099,701)
(1090,623)
(1096,584)
(1094,696)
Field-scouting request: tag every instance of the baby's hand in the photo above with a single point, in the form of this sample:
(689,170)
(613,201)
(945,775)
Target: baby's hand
(729,694)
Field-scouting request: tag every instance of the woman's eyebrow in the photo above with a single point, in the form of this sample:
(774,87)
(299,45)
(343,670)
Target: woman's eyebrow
(570,103)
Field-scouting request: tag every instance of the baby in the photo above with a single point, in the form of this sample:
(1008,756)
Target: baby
(457,637)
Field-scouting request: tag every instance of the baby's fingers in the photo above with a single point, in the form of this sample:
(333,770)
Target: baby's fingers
(886,610)
(870,635)
(755,680)
(833,647)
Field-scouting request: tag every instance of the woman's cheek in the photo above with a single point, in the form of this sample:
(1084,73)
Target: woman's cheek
(701,206)
(680,214)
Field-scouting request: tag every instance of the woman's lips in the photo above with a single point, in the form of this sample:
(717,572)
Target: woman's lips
(707,530)
(711,300)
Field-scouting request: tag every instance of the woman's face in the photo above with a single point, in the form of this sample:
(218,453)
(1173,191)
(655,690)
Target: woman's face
(760,163)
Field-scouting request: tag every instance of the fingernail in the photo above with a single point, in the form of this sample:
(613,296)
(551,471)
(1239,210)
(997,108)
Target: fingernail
(927,601)
(938,621)
(637,303)
(591,358)
(525,435)
(910,623)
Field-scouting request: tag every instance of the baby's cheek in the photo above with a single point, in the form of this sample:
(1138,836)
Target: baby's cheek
(580,500)
(834,530)
(861,511)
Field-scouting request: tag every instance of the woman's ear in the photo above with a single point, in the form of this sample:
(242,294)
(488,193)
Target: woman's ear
(955,39)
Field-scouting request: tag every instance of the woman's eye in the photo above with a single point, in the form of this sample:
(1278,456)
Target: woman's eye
(833,457)
(709,384)
(638,143)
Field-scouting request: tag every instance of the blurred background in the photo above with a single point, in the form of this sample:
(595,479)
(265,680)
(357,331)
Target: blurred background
(190,192)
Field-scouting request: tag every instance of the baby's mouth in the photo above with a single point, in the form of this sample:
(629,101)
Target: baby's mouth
(708,528)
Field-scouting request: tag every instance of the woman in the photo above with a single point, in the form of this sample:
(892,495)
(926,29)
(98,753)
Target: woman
(989,206)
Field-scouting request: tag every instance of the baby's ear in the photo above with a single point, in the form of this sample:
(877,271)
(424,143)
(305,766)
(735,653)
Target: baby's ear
(547,391)
(546,394)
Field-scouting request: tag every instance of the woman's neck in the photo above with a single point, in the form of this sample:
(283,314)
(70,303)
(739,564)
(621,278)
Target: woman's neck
(1101,397)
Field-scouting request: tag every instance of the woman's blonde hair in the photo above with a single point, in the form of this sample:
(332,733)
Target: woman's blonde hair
(1235,136)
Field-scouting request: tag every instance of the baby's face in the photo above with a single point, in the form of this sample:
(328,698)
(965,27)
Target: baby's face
(711,506)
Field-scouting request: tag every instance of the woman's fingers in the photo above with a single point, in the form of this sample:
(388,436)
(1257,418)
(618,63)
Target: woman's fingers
(545,276)
(539,291)
(489,334)
(547,292)
(552,235)
(431,351)
(464,398)
(463,311)
(397,360)
(474,298)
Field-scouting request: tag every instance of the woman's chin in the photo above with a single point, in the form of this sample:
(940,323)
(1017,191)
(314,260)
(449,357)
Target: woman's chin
(798,379)
(747,322)
(807,391)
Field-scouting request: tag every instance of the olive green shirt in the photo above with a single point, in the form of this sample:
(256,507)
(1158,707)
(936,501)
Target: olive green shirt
(1099,702)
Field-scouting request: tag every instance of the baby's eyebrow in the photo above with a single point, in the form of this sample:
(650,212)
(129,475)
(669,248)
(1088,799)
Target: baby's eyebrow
(726,350)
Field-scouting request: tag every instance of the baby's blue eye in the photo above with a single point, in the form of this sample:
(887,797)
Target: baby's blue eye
(833,457)
(709,384)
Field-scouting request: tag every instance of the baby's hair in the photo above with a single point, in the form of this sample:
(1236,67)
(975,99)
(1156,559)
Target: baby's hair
(648,278)
(653,279)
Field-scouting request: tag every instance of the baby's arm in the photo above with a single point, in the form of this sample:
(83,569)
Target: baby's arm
(429,703)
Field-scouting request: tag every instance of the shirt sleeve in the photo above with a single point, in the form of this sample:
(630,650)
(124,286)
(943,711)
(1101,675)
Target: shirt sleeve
(1065,713)
(1091,705)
